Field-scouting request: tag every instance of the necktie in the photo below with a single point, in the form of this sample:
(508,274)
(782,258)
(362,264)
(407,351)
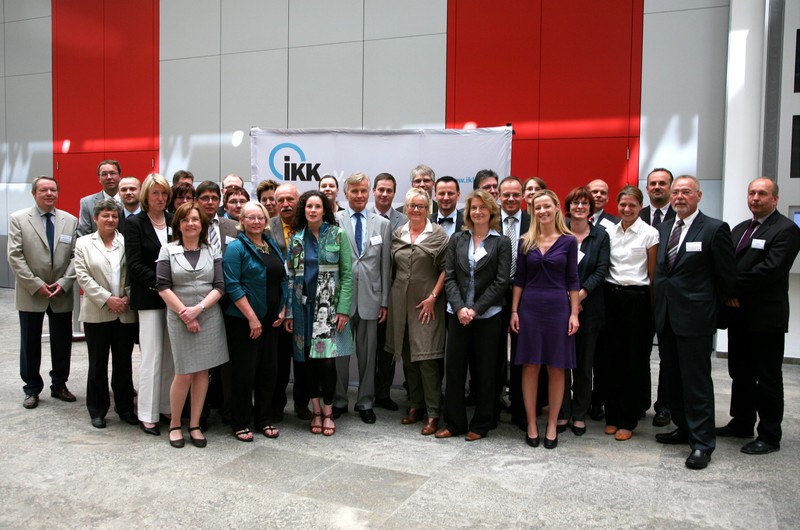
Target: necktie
(213,238)
(747,235)
(512,235)
(657,217)
(672,246)
(443,220)
(359,235)
(51,234)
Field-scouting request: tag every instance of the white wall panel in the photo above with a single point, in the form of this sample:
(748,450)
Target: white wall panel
(252,25)
(254,93)
(24,9)
(190,117)
(189,28)
(324,22)
(683,91)
(405,82)
(389,18)
(2,48)
(2,11)
(325,85)
(656,6)
(28,47)
(29,126)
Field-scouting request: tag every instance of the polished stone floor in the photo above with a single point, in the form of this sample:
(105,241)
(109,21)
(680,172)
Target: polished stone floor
(57,471)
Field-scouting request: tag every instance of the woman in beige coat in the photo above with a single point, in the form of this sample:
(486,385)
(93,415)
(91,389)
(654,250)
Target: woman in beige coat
(415,331)
(107,318)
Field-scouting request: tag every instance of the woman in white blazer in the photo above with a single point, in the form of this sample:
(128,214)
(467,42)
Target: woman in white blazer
(107,319)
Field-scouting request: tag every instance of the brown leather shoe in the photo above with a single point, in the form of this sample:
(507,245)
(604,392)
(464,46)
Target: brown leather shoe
(63,394)
(622,435)
(31,401)
(472,436)
(411,417)
(430,426)
(444,433)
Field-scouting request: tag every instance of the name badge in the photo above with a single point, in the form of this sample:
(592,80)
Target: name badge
(694,246)
(229,240)
(580,256)
(758,244)
(66,238)
(479,254)
(174,249)
(607,224)
(375,240)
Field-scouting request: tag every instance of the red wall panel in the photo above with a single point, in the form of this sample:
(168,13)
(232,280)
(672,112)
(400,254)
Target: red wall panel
(105,91)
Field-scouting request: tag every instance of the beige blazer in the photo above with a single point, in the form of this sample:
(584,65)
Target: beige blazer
(29,259)
(93,271)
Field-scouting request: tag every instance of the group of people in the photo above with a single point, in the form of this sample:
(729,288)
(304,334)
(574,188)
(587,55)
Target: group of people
(225,301)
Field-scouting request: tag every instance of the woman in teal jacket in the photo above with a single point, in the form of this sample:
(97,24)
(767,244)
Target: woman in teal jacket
(321,286)
(256,283)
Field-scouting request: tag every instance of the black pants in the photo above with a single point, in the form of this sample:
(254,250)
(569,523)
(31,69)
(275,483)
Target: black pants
(253,367)
(480,339)
(30,351)
(630,331)
(755,366)
(119,339)
(578,385)
(687,363)
(384,366)
(285,363)
(320,378)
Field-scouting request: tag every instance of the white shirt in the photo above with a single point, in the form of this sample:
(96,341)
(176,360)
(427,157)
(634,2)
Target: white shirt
(664,209)
(685,228)
(352,213)
(405,233)
(517,225)
(449,228)
(628,264)
(115,259)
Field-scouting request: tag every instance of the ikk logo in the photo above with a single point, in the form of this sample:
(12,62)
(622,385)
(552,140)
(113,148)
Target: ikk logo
(302,170)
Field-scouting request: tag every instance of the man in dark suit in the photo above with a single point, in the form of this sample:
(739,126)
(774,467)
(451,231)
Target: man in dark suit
(286,197)
(659,211)
(447,193)
(129,189)
(108,173)
(758,318)
(423,177)
(384,188)
(41,243)
(695,273)
(599,190)
(370,245)
(231,179)
(514,223)
(488,181)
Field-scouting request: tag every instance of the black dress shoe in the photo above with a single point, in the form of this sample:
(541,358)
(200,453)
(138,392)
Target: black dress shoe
(533,442)
(550,444)
(561,427)
(578,431)
(99,423)
(662,419)
(675,437)
(698,459)
(367,415)
(731,431)
(597,412)
(180,442)
(760,447)
(31,401)
(338,411)
(129,417)
(154,430)
(304,413)
(63,394)
(387,403)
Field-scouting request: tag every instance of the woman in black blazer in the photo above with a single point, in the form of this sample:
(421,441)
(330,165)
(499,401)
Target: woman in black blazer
(145,234)
(477,271)
(593,259)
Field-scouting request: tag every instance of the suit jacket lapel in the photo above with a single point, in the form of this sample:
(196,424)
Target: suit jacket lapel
(38,225)
(691,235)
(488,245)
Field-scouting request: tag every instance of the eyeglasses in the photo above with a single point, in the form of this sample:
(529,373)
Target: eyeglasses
(422,181)
(254,218)
(417,206)
(580,203)
(109,173)
(489,187)
(686,192)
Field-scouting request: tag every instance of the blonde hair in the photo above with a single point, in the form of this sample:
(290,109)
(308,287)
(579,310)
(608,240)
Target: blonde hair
(152,180)
(531,240)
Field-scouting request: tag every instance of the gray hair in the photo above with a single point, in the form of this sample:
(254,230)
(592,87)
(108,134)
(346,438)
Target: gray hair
(417,192)
(103,205)
(354,179)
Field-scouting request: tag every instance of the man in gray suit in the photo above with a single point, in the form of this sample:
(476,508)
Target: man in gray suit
(108,173)
(41,243)
(383,191)
(370,243)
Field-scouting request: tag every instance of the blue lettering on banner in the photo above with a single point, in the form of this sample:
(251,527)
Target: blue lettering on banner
(301,170)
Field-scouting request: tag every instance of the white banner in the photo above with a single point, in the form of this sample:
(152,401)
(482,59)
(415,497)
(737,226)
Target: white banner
(303,156)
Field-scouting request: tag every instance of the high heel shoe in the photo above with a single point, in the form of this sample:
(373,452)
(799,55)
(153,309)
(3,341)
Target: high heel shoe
(533,442)
(550,444)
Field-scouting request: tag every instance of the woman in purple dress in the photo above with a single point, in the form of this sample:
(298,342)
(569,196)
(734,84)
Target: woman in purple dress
(544,309)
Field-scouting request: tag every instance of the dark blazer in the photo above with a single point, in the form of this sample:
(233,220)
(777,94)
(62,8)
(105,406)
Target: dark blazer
(142,247)
(605,215)
(691,292)
(644,215)
(592,271)
(434,218)
(762,274)
(492,272)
